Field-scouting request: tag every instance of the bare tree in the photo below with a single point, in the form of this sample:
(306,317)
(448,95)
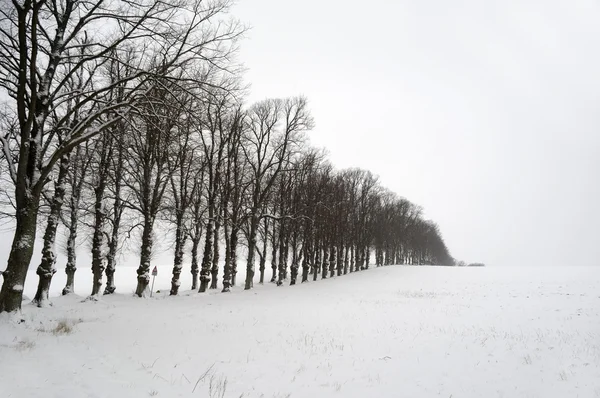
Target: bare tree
(151,162)
(40,43)
(233,192)
(181,194)
(118,206)
(214,144)
(80,162)
(274,130)
(196,220)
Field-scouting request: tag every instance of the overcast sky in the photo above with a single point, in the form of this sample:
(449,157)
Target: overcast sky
(487,113)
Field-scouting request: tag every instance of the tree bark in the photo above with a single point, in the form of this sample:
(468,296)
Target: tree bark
(111,257)
(324,263)
(98,239)
(274,254)
(195,268)
(206,259)
(263,257)
(282,253)
(295,263)
(113,244)
(340,259)
(306,261)
(143,270)
(207,256)
(178,259)
(47,267)
(71,266)
(317,262)
(214,271)
(227,265)
(234,244)
(332,261)
(254,220)
(21,252)
(346,260)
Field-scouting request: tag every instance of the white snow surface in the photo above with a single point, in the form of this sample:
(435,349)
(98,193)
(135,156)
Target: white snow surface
(396,331)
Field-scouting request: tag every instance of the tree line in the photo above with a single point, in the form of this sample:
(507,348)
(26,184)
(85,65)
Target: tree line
(124,115)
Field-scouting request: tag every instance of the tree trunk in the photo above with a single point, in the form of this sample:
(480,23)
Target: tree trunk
(346,260)
(324,263)
(234,243)
(71,266)
(263,257)
(227,265)
(295,263)
(214,281)
(143,270)
(332,261)
(306,260)
(47,267)
(111,257)
(340,259)
(282,254)
(195,268)
(251,248)
(317,262)
(207,256)
(21,252)
(113,244)
(178,258)
(98,239)
(274,254)
(286,257)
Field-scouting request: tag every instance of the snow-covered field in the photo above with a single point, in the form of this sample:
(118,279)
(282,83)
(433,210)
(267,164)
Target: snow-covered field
(388,332)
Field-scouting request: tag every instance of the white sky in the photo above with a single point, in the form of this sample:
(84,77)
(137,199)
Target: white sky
(487,113)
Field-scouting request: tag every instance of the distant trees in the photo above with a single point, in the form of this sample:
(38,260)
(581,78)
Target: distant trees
(145,119)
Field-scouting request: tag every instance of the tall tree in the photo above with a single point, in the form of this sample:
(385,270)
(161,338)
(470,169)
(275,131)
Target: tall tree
(151,162)
(40,43)
(80,162)
(275,129)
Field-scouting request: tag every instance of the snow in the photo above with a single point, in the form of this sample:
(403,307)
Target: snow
(396,331)
(23,243)
(18,288)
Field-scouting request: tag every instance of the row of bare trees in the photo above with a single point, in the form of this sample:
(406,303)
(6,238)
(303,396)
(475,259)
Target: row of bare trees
(128,114)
